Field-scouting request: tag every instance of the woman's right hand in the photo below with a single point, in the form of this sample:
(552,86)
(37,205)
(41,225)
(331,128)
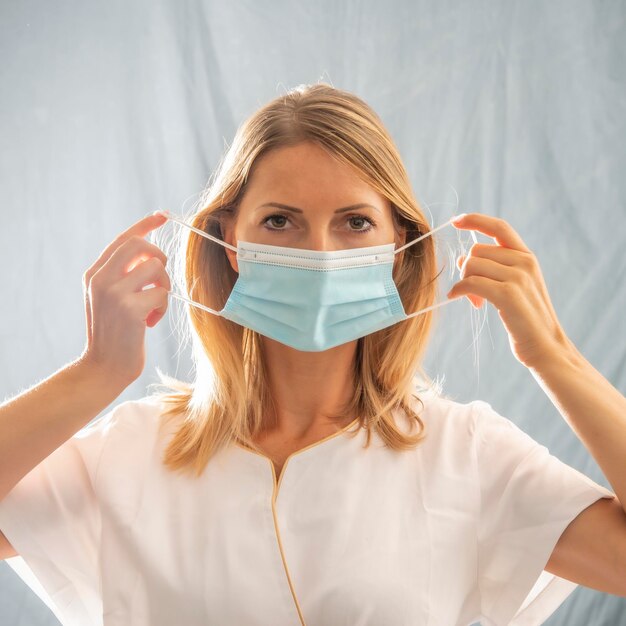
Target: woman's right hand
(117,310)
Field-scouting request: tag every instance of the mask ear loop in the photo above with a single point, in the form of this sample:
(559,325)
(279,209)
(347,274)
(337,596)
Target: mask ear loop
(203,234)
(197,230)
(428,234)
(432,232)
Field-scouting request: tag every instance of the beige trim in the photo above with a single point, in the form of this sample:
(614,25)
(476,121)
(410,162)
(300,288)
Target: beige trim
(275,495)
(280,545)
(311,445)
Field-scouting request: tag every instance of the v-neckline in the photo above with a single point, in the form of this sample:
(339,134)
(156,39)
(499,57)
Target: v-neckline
(315,444)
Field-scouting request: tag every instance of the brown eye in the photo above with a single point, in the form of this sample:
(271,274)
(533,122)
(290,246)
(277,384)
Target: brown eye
(359,223)
(272,217)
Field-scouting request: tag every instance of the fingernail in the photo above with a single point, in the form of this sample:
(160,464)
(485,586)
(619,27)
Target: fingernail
(459,217)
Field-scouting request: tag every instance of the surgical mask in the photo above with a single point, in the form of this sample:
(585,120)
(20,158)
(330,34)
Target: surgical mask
(313,300)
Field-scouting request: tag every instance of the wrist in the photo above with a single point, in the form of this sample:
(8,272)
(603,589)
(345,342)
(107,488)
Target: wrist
(95,374)
(563,356)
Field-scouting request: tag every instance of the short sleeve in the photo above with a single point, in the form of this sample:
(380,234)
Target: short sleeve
(52,519)
(528,498)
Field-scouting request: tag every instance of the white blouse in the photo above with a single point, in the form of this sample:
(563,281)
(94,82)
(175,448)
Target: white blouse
(455,531)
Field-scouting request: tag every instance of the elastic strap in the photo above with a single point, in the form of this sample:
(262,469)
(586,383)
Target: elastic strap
(430,232)
(197,230)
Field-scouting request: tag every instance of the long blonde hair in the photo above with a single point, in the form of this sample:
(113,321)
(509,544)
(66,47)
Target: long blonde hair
(228,400)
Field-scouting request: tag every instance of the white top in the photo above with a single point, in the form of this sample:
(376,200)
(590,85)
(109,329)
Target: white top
(454,531)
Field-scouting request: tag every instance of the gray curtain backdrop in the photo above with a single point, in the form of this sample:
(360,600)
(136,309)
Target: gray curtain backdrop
(113,109)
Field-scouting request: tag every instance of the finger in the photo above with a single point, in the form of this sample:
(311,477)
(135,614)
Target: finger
(492,290)
(131,253)
(87,303)
(153,318)
(495,227)
(149,300)
(143,250)
(150,271)
(505,256)
(138,229)
(478,266)
(476,301)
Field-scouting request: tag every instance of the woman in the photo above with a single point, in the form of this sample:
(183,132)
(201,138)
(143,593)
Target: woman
(311,473)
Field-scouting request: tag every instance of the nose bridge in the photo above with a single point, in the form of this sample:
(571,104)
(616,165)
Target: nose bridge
(319,240)
(318,234)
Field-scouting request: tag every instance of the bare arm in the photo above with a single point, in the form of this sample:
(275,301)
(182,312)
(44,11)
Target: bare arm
(125,290)
(36,422)
(118,307)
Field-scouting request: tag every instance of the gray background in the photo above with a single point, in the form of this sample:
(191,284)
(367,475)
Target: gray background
(113,109)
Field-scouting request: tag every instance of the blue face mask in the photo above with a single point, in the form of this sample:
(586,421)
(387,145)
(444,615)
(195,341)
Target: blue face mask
(313,300)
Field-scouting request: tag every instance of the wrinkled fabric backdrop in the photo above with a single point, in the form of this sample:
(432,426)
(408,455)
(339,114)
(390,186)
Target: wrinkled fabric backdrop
(111,110)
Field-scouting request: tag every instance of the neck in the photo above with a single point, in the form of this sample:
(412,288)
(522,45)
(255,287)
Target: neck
(308,386)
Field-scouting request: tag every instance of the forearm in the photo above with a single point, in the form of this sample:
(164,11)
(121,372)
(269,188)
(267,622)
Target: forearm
(593,408)
(36,422)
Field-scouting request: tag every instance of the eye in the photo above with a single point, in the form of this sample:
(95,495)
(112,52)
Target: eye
(360,219)
(271,217)
(357,220)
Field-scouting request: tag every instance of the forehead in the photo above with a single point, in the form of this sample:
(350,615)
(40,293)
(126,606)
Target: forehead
(307,171)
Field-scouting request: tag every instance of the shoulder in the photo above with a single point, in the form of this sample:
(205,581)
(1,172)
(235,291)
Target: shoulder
(453,425)
(127,415)
(130,447)
(123,430)
(475,417)
(444,416)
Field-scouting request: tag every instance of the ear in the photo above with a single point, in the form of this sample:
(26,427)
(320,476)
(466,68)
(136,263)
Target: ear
(399,228)
(228,236)
(400,237)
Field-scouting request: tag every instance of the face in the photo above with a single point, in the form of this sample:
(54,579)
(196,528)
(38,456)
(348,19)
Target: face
(319,188)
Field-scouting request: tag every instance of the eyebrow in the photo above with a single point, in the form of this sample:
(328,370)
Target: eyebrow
(286,207)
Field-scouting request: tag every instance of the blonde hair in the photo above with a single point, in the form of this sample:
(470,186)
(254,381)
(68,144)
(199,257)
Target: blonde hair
(229,398)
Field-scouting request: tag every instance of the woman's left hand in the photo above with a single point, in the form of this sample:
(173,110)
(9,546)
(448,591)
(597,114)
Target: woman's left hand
(509,276)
